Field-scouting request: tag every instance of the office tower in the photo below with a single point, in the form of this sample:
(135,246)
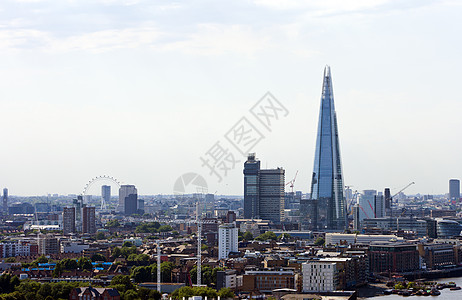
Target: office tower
(78,204)
(128,199)
(367,204)
(227,240)
(68,220)
(356,218)
(379,206)
(387,196)
(327,180)
(454,189)
(251,180)
(140,206)
(263,191)
(105,195)
(5,201)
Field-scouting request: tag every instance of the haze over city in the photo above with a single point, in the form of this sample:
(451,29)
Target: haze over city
(140,90)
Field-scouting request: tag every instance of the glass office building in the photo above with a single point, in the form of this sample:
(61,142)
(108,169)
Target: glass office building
(327,180)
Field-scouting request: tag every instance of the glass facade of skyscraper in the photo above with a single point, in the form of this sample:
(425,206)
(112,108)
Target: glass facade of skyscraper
(327,181)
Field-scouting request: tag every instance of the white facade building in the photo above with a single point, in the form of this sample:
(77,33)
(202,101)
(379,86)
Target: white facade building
(320,276)
(227,240)
(352,238)
(73,247)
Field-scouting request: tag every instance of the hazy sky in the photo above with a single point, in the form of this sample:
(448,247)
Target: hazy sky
(141,90)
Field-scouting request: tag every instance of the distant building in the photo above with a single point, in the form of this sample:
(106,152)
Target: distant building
(5,201)
(68,220)
(367,204)
(394,257)
(267,281)
(17,248)
(387,196)
(74,247)
(140,206)
(226,279)
(106,194)
(88,220)
(21,208)
(327,177)
(91,293)
(128,199)
(454,189)
(48,244)
(448,228)
(379,206)
(263,191)
(334,273)
(438,256)
(227,240)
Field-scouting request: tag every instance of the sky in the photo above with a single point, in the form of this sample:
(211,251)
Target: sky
(146,91)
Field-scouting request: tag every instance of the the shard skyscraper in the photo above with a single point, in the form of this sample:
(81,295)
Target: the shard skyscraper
(327,180)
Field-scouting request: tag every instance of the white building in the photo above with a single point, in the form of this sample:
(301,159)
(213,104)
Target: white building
(73,247)
(352,238)
(320,276)
(227,240)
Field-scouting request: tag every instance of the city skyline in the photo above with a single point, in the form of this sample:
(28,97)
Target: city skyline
(119,88)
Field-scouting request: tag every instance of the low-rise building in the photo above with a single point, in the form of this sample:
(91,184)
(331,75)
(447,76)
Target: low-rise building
(438,255)
(393,257)
(267,281)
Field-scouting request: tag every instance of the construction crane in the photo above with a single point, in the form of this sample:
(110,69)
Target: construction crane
(292,182)
(401,190)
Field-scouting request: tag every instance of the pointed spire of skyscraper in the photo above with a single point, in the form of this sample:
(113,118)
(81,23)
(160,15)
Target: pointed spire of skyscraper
(327,180)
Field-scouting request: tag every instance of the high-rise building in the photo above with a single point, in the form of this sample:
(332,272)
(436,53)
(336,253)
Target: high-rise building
(356,219)
(128,199)
(227,240)
(78,204)
(379,205)
(105,195)
(454,189)
(48,244)
(367,204)
(140,206)
(88,220)
(5,201)
(387,196)
(327,180)
(263,191)
(68,220)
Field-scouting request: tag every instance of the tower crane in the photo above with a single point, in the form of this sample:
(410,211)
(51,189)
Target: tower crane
(292,182)
(391,198)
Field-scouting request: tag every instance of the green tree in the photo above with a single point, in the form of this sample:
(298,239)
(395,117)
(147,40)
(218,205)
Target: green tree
(28,288)
(84,263)
(122,283)
(10,260)
(113,224)
(269,235)
(8,283)
(100,235)
(147,294)
(166,271)
(226,293)
(116,252)
(248,236)
(98,257)
(141,274)
(319,241)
